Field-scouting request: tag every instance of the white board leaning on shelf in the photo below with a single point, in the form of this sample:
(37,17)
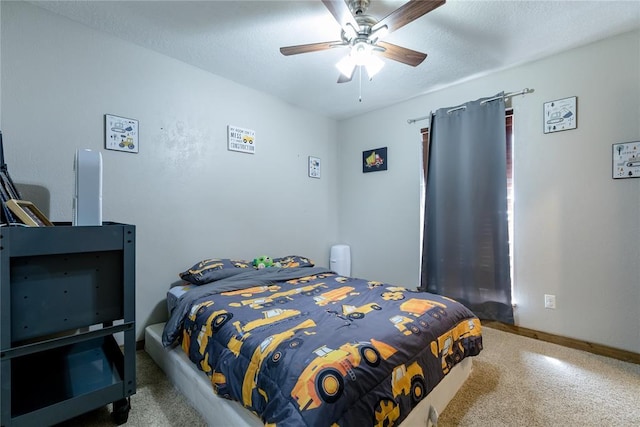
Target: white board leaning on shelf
(87,200)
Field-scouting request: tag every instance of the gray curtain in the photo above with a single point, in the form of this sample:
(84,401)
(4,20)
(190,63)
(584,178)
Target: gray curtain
(466,242)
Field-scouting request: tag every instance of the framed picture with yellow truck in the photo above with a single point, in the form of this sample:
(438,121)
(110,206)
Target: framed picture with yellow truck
(28,213)
(374,160)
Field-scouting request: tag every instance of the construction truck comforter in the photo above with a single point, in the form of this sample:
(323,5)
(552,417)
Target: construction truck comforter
(307,347)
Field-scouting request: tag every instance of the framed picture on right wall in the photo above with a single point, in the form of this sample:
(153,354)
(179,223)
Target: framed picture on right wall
(626,160)
(561,114)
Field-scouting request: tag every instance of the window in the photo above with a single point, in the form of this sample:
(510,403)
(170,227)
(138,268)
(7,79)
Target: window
(510,199)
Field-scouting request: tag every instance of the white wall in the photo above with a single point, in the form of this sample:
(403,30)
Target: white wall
(576,229)
(189,197)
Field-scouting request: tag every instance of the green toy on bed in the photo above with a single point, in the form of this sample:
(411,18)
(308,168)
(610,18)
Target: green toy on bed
(264,262)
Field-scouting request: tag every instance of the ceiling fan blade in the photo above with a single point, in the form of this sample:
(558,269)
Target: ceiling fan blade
(341,13)
(407,13)
(312,47)
(402,54)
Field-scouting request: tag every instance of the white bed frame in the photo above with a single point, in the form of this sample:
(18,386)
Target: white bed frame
(196,387)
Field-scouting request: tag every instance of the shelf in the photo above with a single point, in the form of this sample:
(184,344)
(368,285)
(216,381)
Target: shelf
(47,378)
(65,292)
(23,348)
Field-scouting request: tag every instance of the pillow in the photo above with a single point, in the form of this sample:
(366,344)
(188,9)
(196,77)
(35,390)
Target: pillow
(293,261)
(210,270)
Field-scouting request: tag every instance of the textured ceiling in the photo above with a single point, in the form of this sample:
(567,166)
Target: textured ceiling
(239,40)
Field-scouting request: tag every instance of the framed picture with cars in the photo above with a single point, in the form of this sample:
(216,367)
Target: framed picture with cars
(120,134)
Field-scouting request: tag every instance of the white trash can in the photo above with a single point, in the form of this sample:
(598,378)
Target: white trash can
(340,259)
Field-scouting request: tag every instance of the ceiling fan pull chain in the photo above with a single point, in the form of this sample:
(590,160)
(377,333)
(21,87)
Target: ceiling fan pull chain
(360,83)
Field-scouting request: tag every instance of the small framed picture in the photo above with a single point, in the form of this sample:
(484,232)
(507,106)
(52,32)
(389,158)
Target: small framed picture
(28,213)
(374,160)
(626,160)
(314,167)
(561,114)
(120,133)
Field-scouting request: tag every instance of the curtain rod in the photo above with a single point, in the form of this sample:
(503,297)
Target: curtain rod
(462,107)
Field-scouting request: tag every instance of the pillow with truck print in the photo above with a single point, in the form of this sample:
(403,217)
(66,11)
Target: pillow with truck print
(210,270)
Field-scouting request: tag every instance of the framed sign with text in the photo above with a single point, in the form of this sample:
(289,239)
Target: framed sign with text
(242,140)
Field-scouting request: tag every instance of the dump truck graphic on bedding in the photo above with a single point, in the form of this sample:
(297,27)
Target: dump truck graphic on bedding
(198,309)
(417,307)
(323,379)
(449,348)
(261,353)
(193,313)
(244,331)
(405,381)
(408,381)
(215,321)
(248,292)
(353,312)
(404,325)
(333,296)
(270,316)
(235,343)
(279,297)
(307,279)
(219,382)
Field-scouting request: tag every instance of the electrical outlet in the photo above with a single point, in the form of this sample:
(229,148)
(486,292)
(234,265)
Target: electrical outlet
(549,301)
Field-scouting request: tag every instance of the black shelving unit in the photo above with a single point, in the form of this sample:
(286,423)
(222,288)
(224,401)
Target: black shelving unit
(64,292)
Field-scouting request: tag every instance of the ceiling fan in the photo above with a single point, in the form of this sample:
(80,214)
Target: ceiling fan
(362,33)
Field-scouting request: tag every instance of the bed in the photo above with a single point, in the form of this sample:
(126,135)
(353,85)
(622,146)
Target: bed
(296,345)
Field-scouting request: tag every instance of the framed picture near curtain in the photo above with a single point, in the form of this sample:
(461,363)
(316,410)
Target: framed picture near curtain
(374,160)
(561,114)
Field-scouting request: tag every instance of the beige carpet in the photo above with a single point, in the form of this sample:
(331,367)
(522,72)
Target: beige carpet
(156,402)
(516,381)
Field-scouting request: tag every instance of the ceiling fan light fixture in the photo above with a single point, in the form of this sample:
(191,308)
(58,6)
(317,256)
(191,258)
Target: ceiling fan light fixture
(346,66)
(361,55)
(373,66)
(361,52)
